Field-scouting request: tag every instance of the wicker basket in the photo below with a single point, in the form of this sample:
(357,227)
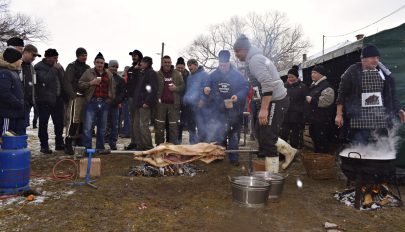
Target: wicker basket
(319,166)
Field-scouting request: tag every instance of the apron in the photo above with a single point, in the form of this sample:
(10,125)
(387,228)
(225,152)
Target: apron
(372,113)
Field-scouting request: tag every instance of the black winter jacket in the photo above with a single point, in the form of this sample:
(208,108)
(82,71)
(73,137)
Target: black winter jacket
(119,90)
(297,93)
(349,93)
(145,91)
(28,85)
(46,86)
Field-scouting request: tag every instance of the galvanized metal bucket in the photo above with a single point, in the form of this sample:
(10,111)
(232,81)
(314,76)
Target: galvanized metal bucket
(276,181)
(250,191)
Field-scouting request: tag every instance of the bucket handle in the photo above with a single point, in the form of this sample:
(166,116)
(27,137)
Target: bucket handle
(353,152)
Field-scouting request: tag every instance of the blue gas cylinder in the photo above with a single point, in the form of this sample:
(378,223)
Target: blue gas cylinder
(14,165)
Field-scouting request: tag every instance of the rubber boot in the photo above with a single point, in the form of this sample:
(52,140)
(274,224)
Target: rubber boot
(68,146)
(271,164)
(287,150)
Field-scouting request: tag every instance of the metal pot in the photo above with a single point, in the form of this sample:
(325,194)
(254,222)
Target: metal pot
(354,165)
(249,191)
(275,180)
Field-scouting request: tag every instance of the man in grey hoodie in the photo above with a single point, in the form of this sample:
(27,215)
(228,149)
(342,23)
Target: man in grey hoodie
(270,96)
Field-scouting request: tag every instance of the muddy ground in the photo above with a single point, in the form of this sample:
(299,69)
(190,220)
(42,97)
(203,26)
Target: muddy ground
(199,203)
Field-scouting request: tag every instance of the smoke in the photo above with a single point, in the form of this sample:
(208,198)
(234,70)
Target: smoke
(384,147)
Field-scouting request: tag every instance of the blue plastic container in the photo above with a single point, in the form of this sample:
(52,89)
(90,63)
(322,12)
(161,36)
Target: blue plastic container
(14,165)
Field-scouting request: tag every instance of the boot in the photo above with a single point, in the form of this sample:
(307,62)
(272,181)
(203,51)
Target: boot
(271,164)
(289,152)
(68,146)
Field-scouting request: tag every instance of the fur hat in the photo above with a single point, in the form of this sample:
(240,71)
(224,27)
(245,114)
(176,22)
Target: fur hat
(242,42)
(294,71)
(80,52)
(15,41)
(147,60)
(224,56)
(11,55)
(51,52)
(31,48)
(369,50)
(99,56)
(319,69)
(180,60)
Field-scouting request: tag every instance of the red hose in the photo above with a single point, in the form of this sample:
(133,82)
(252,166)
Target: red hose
(70,176)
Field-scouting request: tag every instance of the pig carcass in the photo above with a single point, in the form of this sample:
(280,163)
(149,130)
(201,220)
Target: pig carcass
(166,154)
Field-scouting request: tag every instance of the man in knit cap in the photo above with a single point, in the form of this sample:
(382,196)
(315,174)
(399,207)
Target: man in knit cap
(270,96)
(48,89)
(293,125)
(11,94)
(98,86)
(113,114)
(367,99)
(76,101)
(185,112)
(319,109)
(226,84)
(16,43)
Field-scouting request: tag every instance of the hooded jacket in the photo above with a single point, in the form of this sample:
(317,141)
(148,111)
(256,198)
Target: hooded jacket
(263,70)
(11,92)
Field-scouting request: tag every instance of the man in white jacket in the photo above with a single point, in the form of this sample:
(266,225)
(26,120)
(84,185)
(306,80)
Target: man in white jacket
(270,96)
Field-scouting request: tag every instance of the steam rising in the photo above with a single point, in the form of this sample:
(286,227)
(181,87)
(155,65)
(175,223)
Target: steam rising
(383,148)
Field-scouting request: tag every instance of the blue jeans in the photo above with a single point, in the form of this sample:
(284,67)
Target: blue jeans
(233,145)
(113,116)
(126,129)
(95,112)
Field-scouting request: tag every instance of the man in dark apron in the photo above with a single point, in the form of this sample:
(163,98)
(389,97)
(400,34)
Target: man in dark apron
(368,98)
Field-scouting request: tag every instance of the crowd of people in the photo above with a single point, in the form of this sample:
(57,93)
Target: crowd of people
(98,100)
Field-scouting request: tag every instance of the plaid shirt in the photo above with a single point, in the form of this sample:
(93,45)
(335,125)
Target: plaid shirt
(375,116)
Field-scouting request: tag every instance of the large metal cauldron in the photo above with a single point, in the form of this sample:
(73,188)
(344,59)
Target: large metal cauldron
(354,166)
(250,191)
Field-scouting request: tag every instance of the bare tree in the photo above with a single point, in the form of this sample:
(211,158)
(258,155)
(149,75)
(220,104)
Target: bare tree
(282,43)
(19,25)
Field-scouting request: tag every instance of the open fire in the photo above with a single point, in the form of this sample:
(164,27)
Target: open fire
(369,197)
(149,170)
(371,176)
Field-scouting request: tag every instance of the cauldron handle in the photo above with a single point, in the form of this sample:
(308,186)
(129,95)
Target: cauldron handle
(353,152)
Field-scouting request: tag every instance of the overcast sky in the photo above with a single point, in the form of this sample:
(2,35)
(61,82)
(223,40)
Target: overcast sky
(116,27)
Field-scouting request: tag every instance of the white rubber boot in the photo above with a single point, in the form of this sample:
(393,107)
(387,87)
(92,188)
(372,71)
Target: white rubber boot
(271,164)
(287,150)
